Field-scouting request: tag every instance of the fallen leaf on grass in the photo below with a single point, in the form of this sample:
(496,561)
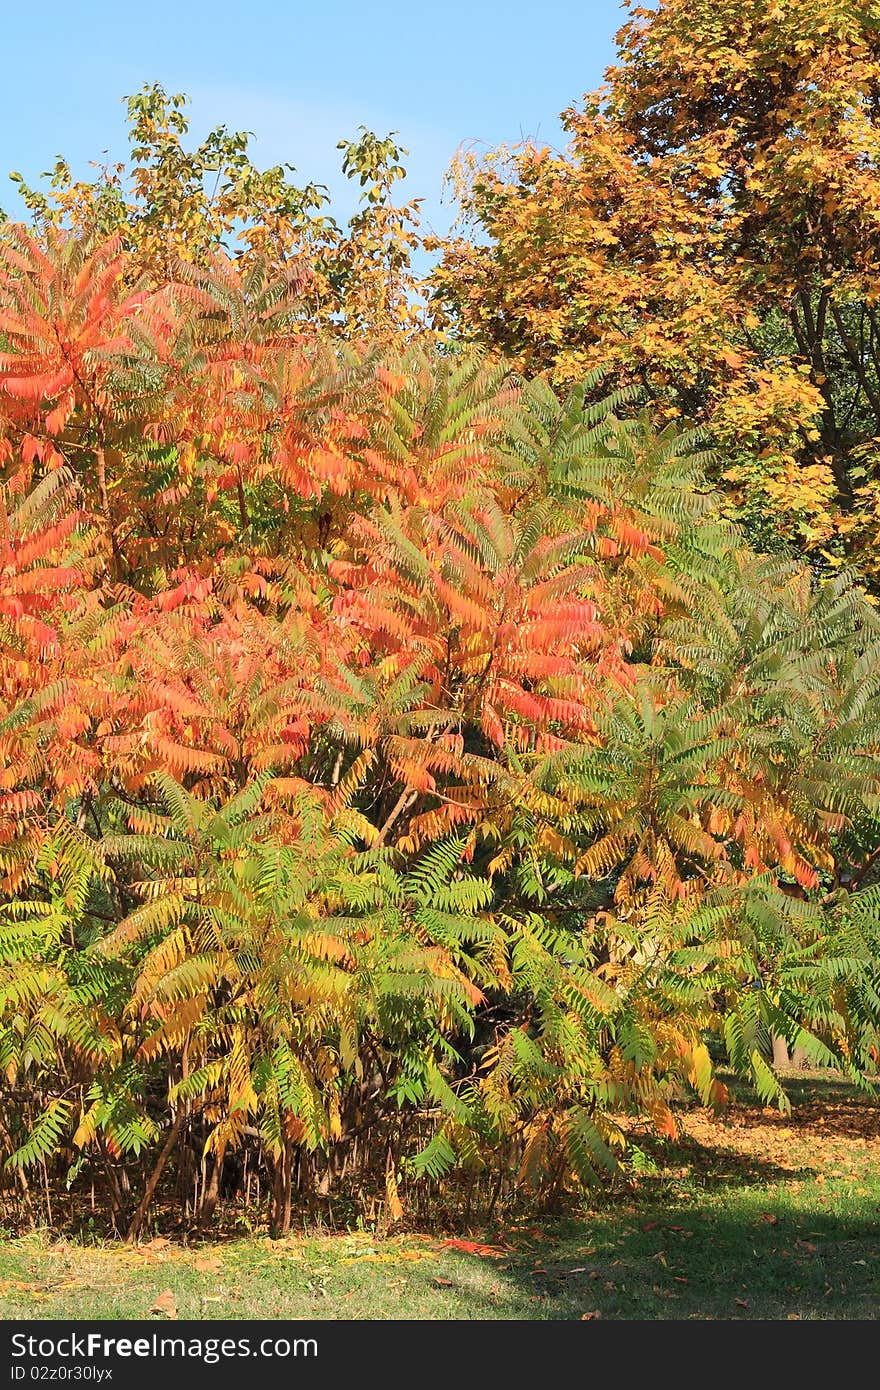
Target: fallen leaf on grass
(157,1249)
(165,1305)
(591,1317)
(742,1303)
(153,1251)
(473,1247)
(20,1285)
(393,1258)
(211,1265)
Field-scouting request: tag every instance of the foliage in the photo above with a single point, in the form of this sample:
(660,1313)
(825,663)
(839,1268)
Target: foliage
(406,770)
(170,202)
(711,235)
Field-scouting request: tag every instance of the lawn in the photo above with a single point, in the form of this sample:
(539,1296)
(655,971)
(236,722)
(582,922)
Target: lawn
(754,1215)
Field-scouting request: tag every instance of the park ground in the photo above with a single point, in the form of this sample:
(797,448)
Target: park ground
(749,1215)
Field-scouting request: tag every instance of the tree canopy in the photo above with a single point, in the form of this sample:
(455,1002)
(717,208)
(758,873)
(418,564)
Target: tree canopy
(423,752)
(710,234)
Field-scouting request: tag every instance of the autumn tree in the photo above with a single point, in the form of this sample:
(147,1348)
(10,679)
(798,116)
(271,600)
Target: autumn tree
(711,235)
(174,200)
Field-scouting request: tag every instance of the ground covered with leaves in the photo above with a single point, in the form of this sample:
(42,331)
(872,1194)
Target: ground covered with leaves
(749,1215)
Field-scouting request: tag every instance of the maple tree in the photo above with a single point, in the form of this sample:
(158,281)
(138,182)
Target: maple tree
(711,236)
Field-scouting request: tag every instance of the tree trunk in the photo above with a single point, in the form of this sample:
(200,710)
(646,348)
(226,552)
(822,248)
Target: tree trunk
(282,1186)
(781,1059)
(797,1061)
(139,1217)
(212,1188)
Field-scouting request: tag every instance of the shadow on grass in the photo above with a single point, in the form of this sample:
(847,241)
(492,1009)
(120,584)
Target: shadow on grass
(724,1232)
(815,1096)
(712,1169)
(701,1263)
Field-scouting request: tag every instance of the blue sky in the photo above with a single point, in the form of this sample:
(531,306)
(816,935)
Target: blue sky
(300,76)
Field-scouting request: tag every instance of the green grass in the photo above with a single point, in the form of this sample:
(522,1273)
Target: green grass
(757,1217)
